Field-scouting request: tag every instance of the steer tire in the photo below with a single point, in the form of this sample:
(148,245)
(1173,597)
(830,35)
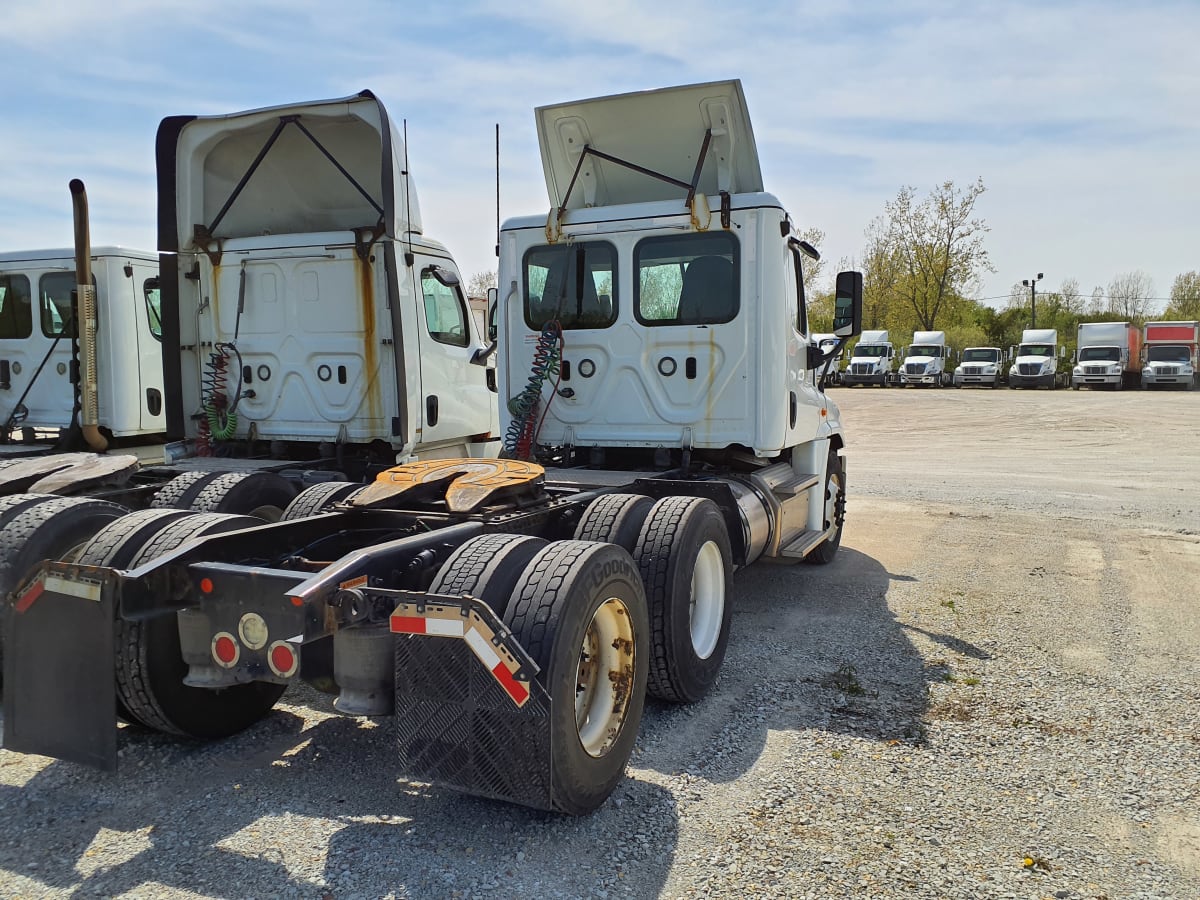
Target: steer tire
(684,557)
(150,667)
(319,498)
(45,530)
(572,594)
(833,501)
(614,519)
(263,495)
(488,567)
(180,491)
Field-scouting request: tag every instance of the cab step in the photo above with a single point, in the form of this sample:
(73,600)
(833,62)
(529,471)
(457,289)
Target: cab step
(802,545)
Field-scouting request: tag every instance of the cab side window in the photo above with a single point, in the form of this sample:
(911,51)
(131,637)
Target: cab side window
(445,311)
(150,290)
(54,293)
(16,308)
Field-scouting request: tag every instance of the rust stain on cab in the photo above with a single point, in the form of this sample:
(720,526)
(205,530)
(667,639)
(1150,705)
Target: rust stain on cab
(366,298)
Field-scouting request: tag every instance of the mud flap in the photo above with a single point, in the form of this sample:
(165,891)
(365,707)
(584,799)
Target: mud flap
(470,715)
(60,696)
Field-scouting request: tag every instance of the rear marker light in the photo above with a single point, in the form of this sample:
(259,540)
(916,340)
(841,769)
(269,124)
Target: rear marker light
(206,585)
(283,659)
(225,649)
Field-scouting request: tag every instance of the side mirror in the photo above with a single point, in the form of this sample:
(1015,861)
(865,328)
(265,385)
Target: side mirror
(1062,352)
(447,277)
(847,304)
(493,303)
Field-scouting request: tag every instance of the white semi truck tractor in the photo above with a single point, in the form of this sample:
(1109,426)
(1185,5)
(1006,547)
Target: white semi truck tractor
(665,425)
(871,360)
(1035,360)
(926,360)
(981,366)
(831,372)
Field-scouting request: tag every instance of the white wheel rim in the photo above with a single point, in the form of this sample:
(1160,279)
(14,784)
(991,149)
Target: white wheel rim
(708,600)
(604,679)
(831,497)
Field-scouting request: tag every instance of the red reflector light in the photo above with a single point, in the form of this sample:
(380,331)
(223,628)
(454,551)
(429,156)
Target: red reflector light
(297,601)
(206,585)
(283,659)
(225,649)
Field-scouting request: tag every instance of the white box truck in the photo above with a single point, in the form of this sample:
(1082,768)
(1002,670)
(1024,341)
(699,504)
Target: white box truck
(1108,355)
(871,360)
(926,359)
(1035,361)
(979,365)
(1170,350)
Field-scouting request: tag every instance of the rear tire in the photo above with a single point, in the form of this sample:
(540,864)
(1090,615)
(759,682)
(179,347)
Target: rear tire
(614,519)
(319,498)
(687,567)
(835,512)
(180,491)
(489,567)
(580,612)
(48,529)
(150,666)
(263,495)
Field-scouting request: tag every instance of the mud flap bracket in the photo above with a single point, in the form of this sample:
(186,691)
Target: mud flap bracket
(60,696)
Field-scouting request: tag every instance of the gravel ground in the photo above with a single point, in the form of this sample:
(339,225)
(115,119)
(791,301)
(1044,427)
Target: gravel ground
(993,693)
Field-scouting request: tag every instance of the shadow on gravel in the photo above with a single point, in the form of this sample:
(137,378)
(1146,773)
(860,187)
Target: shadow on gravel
(813,648)
(217,819)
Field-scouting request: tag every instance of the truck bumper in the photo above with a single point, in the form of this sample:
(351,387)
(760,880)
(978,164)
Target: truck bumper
(981,380)
(920,379)
(1033,381)
(878,378)
(1095,380)
(1166,380)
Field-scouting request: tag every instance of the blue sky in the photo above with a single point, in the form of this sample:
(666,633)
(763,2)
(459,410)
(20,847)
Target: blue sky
(1082,118)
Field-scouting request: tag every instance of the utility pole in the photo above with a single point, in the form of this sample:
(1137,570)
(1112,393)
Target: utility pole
(1031,283)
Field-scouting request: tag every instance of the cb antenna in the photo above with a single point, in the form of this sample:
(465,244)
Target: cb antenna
(409,258)
(497,189)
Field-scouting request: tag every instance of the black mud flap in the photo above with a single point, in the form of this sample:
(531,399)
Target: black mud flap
(470,715)
(60,696)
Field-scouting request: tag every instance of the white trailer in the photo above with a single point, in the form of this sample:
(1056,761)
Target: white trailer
(1170,351)
(38,352)
(871,360)
(980,366)
(1035,361)
(926,360)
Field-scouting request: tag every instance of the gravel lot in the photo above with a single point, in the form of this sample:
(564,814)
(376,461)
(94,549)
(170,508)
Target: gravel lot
(994,692)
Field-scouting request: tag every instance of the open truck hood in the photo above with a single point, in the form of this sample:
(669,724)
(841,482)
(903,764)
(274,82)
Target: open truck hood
(333,165)
(660,130)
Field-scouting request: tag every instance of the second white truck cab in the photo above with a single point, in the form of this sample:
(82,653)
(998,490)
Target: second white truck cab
(926,360)
(1035,361)
(979,365)
(828,342)
(871,360)
(37,331)
(1170,350)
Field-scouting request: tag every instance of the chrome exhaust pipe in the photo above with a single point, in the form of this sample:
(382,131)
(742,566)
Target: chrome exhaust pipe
(89,399)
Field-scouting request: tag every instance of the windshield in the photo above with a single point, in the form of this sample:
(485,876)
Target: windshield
(871,350)
(924,350)
(981,355)
(1035,350)
(1178,354)
(1094,354)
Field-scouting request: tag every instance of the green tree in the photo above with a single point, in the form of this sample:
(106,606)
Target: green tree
(927,254)
(1185,297)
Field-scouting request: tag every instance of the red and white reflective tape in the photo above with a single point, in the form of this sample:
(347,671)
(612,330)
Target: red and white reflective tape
(441,621)
(57,584)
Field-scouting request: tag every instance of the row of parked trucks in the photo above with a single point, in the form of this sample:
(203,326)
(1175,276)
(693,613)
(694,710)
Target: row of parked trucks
(1115,355)
(339,515)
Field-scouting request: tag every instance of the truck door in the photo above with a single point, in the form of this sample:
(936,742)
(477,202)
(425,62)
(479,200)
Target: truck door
(17,363)
(456,402)
(803,401)
(147,308)
(51,396)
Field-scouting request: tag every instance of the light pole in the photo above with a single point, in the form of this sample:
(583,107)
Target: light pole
(1031,283)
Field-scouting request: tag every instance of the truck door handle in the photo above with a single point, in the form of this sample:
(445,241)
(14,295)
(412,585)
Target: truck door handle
(431,410)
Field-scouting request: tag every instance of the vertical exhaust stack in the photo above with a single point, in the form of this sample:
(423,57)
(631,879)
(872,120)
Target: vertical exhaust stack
(89,400)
